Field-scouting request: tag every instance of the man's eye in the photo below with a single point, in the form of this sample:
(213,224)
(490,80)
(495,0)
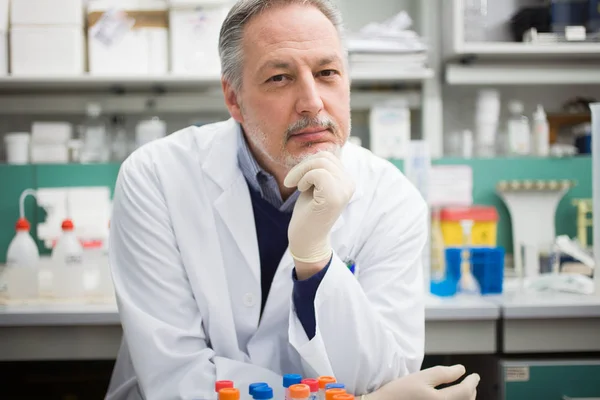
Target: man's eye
(277,78)
(327,73)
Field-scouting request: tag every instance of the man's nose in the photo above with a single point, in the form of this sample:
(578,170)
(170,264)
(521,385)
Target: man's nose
(309,102)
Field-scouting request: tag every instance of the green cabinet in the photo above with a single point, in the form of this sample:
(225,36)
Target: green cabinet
(550,379)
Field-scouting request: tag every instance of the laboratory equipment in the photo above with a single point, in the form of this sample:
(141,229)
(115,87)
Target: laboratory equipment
(541,133)
(518,130)
(68,250)
(567,13)
(329,393)
(323,381)
(487,265)
(17,147)
(467,283)
(19,278)
(437,259)
(67,274)
(94,136)
(263,393)
(120,143)
(148,130)
(343,396)
(532,201)
(289,380)
(595,108)
(22,250)
(467,144)
(335,385)
(229,394)
(299,392)
(483,232)
(487,114)
(255,385)
(313,385)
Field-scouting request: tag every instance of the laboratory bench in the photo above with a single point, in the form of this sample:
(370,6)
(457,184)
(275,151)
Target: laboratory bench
(511,323)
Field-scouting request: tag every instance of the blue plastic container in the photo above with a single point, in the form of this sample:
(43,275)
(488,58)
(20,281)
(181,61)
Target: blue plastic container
(487,264)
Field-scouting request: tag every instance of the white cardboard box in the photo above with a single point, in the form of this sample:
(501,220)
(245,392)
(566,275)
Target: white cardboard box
(46,12)
(195,40)
(49,50)
(128,41)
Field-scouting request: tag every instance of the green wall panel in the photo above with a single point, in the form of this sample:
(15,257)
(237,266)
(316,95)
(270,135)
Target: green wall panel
(488,172)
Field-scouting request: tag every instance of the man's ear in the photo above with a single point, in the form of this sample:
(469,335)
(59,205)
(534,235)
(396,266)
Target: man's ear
(231,101)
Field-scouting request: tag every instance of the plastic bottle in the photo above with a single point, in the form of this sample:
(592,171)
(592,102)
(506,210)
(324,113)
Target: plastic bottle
(68,251)
(120,143)
(541,132)
(22,250)
(335,386)
(289,380)
(263,393)
(343,396)
(229,394)
(329,393)
(299,392)
(518,130)
(323,381)
(253,386)
(313,385)
(94,136)
(223,384)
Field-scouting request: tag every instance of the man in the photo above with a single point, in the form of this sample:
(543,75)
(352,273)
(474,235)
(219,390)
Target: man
(266,244)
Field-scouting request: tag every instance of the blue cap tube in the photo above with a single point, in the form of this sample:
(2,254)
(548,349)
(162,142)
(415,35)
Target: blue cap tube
(335,386)
(254,386)
(263,393)
(291,379)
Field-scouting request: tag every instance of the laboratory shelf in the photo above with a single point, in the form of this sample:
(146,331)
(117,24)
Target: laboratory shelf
(504,49)
(522,74)
(180,82)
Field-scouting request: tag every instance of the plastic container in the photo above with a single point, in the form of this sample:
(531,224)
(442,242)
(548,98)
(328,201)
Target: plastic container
(229,394)
(323,381)
(565,13)
(343,396)
(17,147)
(94,136)
(299,392)
(263,393)
(329,393)
(289,380)
(541,133)
(313,385)
(484,230)
(335,386)
(583,138)
(223,384)
(518,130)
(22,250)
(487,264)
(255,385)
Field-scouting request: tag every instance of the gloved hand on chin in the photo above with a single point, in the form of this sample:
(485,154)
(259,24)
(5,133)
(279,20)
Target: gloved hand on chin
(326,189)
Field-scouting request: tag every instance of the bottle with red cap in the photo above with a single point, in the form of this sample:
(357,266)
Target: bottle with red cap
(223,385)
(313,385)
(22,250)
(68,250)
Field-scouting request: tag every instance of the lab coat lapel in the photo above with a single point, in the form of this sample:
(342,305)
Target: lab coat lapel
(234,205)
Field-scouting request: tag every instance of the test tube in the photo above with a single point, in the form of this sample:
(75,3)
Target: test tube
(313,385)
(323,381)
(263,393)
(332,392)
(289,380)
(299,392)
(229,394)
(222,385)
(253,386)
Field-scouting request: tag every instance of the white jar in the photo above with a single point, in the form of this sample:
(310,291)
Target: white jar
(17,147)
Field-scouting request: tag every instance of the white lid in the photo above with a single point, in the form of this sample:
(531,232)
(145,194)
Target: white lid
(17,136)
(516,107)
(93,109)
(539,112)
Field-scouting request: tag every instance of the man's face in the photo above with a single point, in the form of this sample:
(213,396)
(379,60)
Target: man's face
(295,96)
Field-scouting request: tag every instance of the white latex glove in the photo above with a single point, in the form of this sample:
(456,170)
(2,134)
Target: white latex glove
(422,386)
(326,189)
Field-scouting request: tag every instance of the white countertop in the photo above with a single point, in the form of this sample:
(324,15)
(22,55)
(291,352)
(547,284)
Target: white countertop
(47,314)
(460,308)
(548,305)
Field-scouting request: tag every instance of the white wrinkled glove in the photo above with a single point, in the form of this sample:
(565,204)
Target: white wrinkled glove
(326,189)
(422,386)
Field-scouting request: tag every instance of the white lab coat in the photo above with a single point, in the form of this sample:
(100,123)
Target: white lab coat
(186,270)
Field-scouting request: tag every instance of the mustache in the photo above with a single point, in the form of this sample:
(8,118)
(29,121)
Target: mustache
(323,121)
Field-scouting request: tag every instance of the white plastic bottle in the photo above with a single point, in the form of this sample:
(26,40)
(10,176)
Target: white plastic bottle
(94,136)
(541,132)
(22,250)
(68,251)
(518,130)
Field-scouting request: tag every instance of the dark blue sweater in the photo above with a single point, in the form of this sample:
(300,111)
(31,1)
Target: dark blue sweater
(271,232)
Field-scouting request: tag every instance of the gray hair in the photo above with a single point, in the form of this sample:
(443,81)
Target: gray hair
(231,35)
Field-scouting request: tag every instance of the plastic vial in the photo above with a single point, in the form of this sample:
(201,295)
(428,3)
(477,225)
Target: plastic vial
(541,132)
(94,136)
(263,393)
(289,380)
(343,396)
(253,386)
(518,131)
(22,250)
(329,393)
(223,385)
(323,381)
(299,392)
(313,385)
(229,394)
(335,386)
